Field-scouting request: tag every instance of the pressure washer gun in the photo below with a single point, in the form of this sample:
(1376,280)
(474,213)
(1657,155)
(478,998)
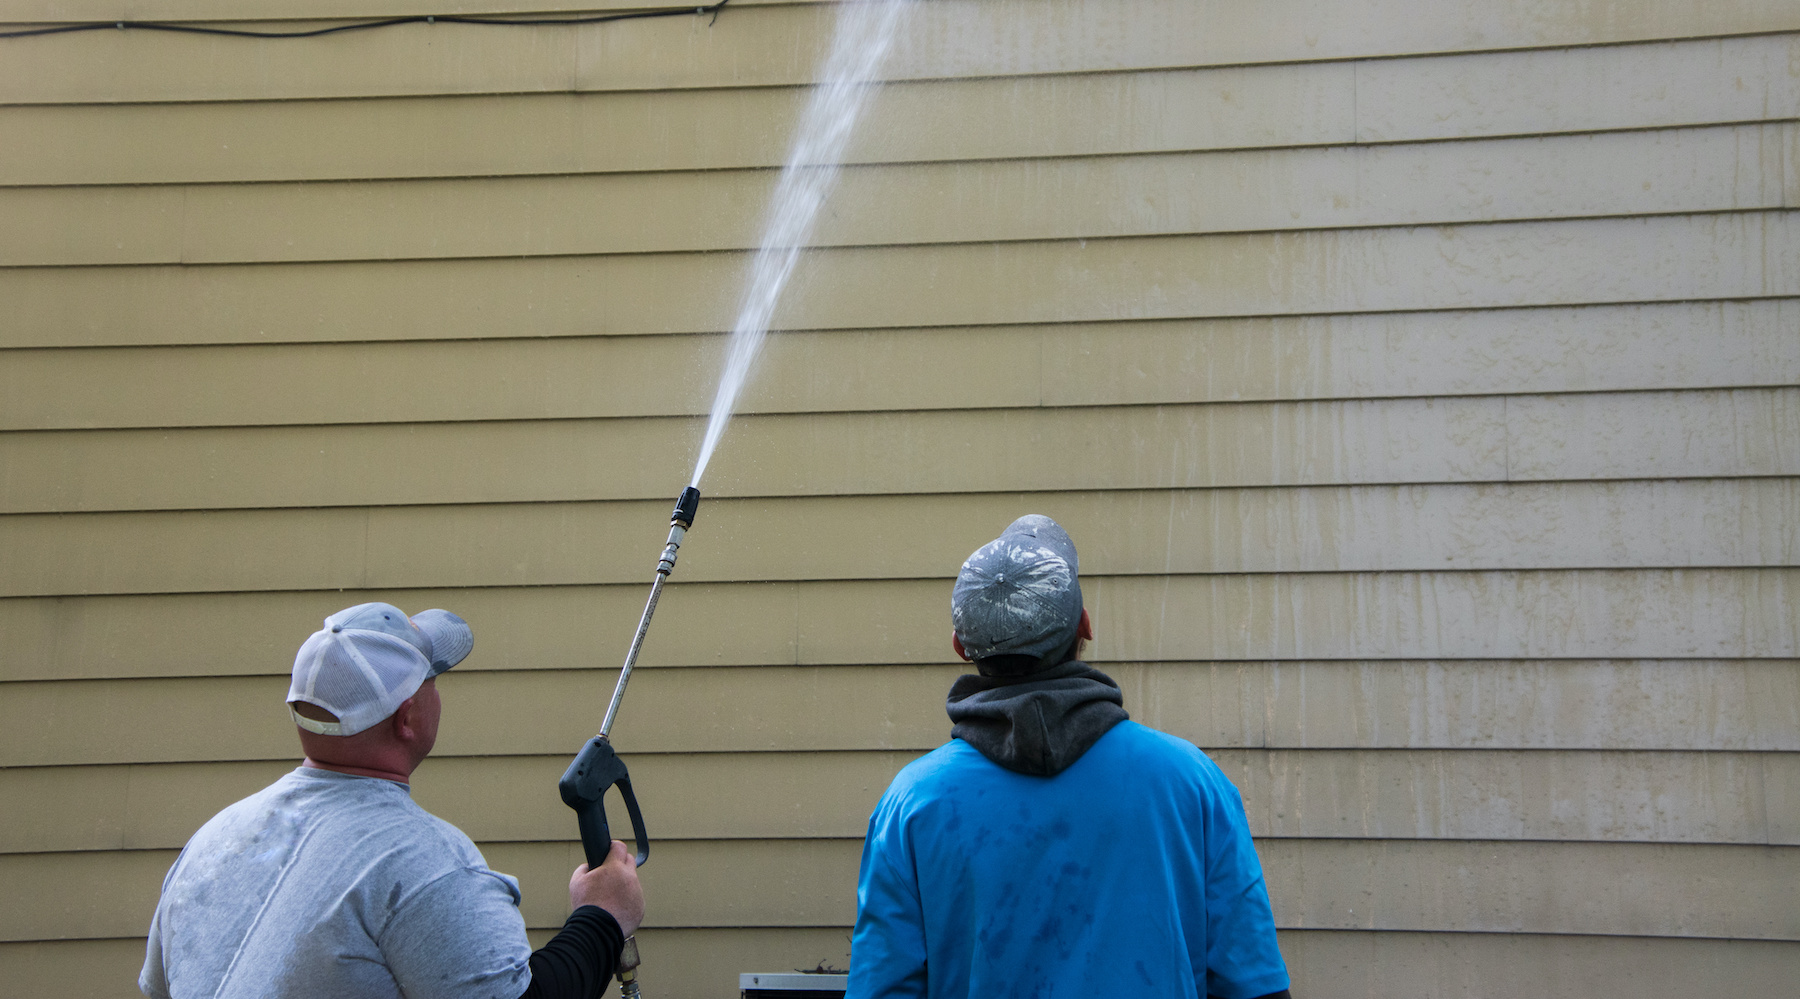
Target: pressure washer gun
(597,768)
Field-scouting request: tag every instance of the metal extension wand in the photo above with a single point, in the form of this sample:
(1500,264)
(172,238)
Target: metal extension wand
(596,768)
(687,505)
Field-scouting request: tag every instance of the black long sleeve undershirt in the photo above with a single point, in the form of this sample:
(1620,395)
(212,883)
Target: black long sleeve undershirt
(578,962)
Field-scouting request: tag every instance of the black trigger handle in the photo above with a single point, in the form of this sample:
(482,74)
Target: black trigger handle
(583,788)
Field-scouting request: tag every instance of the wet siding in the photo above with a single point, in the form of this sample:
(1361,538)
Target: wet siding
(1421,383)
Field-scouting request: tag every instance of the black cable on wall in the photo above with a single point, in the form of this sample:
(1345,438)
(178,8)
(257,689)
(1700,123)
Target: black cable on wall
(194,29)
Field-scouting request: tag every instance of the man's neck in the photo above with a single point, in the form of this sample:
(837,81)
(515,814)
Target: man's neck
(393,775)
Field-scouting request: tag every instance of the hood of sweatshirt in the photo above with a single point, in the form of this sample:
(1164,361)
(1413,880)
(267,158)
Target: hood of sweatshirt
(1036,724)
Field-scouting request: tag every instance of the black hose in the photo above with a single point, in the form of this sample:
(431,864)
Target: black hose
(194,29)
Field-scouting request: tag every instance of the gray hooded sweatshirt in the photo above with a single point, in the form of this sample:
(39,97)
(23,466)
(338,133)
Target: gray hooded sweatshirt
(1039,723)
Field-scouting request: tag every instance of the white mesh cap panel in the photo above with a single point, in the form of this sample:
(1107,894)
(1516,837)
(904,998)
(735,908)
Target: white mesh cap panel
(360,676)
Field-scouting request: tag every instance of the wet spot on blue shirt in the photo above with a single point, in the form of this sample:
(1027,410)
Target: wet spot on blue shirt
(996,933)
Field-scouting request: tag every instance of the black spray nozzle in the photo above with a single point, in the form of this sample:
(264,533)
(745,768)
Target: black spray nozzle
(686,507)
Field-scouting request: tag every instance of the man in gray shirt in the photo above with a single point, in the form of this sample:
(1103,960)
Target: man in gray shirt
(332,882)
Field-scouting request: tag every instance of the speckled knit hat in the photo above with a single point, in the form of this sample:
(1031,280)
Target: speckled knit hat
(1019,595)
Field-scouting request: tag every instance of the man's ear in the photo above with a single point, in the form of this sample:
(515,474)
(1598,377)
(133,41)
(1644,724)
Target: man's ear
(1085,629)
(403,720)
(956,643)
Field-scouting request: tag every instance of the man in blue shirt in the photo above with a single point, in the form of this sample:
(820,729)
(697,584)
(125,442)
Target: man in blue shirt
(1054,847)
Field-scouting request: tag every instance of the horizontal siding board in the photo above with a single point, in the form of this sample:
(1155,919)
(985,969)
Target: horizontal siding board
(1250,444)
(109,67)
(782,44)
(1659,85)
(1580,525)
(1641,797)
(1404,355)
(1717,523)
(1493,704)
(1528,92)
(1660,797)
(1737,705)
(684,797)
(123,807)
(494,135)
(1737,892)
(1523,351)
(1629,614)
(1583,436)
(1590,261)
(70,887)
(80,895)
(1701,434)
(1423,965)
(1633,889)
(1647,705)
(527,627)
(1350,964)
(1725,168)
(96,969)
(692,963)
(1651,614)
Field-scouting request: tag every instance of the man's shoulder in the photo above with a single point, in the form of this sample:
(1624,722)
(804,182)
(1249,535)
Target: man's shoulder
(266,807)
(1146,742)
(947,758)
(323,810)
(924,778)
(393,838)
(408,830)
(1147,753)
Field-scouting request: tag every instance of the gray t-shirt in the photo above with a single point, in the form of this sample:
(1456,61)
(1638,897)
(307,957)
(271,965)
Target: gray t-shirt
(325,884)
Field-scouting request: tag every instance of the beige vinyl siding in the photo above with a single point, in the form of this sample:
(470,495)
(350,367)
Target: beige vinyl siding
(1703,523)
(1670,171)
(1743,432)
(1498,265)
(1424,965)
(1489,94)
(1660,796)
(1630,889)
(1420,382)
(1485,614)
(1679,345)
(780,44)
(1720,705)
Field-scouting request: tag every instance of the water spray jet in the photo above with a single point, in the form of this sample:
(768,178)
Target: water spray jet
(864,34)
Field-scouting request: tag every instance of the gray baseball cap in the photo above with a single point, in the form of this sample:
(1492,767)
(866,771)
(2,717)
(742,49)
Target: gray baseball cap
(370,658)
(1020,594)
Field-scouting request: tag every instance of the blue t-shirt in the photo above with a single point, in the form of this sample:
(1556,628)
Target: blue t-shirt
(1129,873)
